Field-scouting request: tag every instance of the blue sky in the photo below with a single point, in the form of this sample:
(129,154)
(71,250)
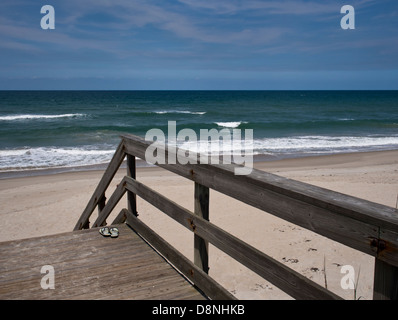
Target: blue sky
(198,44)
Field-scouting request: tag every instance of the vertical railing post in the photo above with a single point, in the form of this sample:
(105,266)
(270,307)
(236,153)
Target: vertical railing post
(101,206)
(87,225)
(201,246)
(385,285)
(131,197)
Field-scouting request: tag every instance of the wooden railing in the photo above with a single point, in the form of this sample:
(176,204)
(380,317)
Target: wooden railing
(365,226)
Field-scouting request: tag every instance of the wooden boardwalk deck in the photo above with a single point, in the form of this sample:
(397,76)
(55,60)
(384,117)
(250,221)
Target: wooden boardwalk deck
(90,266)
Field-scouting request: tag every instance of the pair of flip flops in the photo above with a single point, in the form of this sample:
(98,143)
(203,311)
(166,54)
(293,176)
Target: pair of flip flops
(109,232)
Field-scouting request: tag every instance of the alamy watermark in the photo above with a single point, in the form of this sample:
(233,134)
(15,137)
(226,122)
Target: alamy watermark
(225,146)
(348,21)
(348,280)
(48,20)
(48,280)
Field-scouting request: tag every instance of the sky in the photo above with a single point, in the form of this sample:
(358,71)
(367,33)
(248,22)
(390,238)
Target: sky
(198,45)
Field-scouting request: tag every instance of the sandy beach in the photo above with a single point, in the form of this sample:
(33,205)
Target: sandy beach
(50,204)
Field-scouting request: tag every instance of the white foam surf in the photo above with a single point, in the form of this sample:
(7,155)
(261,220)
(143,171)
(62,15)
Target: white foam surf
(40,116)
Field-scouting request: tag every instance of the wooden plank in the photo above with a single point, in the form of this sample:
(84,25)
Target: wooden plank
(385,285)
(207,175)
(201,209)
(277,273)
(90,266)
(388,247)
(101,206)
(210,287)
(131,172)
(105,181)
(385,281)
(350,206)
(348,220)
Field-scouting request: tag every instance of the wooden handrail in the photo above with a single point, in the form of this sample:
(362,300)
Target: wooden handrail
(349,220)
(363,225)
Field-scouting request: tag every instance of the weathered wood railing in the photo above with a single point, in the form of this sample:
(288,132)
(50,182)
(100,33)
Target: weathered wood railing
(366,226)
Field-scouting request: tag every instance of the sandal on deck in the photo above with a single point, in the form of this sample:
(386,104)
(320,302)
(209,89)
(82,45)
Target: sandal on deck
(105,232)
(114,232)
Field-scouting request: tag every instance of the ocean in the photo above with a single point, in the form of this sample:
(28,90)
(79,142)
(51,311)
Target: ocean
(80,129)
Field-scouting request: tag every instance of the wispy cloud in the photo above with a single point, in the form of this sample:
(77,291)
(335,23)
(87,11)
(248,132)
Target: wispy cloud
(269,7)
(287,7)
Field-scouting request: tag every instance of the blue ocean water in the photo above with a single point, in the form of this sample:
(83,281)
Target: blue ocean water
(53,129)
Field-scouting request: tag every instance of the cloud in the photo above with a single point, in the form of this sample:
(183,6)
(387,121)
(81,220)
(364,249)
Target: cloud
(122,20)
(135,16)
(268,7)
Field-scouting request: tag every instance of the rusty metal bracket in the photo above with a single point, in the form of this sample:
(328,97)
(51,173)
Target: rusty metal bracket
(379,244)
(192,224)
